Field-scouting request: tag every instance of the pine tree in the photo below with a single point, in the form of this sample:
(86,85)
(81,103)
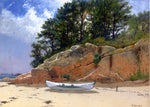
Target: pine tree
(36,53)
(65,25)
(47,37)
(79,21)
(82,14)
(109,17)
(139,24)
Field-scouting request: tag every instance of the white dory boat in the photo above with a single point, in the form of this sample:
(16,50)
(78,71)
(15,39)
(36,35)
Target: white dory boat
(69,86)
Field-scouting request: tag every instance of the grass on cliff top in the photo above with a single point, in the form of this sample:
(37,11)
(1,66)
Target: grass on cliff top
(139,75)
(120,42)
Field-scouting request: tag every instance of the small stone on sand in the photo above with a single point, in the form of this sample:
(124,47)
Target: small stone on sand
(4,102)
(49,101)
(12,98)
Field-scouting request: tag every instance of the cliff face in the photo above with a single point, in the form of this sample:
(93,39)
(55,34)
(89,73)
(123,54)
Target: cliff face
(117,65)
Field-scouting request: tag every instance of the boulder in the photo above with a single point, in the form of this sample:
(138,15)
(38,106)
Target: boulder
(115,65)
(120,64)
(72,55)
(91,47)
(124,63)
(39,76)
(75,70)
(64,58)
(142,49)
(23,78)
(99,49)
(7,79)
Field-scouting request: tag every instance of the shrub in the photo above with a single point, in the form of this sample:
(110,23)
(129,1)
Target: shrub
(67,76)
(139,75)
(99,41)
(96,58)
(120,42)
(122,50)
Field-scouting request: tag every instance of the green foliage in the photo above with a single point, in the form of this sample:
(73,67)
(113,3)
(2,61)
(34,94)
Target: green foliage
(37,54)
(46,45)
(100,22)
(96,58)
(139,75)
(67,76)
(109,17)
(47,37)
(138,28)
(117,43)
(82,8)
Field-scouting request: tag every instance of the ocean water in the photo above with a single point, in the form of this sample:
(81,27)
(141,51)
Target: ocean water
(7,75)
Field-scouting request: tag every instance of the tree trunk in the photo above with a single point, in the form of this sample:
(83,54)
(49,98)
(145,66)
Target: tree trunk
(114,27)
(81,28)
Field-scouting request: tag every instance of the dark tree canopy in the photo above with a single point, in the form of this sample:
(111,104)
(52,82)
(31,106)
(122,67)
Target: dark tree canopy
(109,17)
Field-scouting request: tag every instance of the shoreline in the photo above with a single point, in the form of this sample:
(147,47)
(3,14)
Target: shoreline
(28,96)
(98,84)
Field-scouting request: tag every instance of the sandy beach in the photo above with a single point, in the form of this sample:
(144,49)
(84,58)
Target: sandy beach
(20,96)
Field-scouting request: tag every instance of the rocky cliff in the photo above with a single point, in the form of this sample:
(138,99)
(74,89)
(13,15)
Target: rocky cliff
(77,62)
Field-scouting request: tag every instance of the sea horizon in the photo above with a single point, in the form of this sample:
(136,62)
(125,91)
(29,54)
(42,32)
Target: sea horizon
(7,75)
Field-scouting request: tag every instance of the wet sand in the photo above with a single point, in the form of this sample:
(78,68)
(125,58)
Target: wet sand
(21,96)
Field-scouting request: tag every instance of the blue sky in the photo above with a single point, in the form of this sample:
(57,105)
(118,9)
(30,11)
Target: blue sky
(20,20)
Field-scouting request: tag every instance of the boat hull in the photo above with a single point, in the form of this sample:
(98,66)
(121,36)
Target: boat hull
(69,86)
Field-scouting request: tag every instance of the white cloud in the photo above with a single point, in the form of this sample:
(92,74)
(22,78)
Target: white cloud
(42,5)
(26,5)
(56,3)
(51,4)
(11,4)
(24,28)
(48,14)
(139,5)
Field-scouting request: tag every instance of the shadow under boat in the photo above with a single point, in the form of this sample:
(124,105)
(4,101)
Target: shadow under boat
(72,91)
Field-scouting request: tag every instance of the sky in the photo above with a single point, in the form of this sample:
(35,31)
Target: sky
(21,20)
